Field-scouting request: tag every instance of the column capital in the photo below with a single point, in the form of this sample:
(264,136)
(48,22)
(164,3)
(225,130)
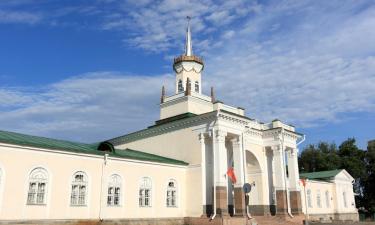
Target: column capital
(236,140)
(294,151)
(201,137)
(220,135)
(276,148)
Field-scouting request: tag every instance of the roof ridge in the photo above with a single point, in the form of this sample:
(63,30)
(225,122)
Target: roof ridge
(46,138)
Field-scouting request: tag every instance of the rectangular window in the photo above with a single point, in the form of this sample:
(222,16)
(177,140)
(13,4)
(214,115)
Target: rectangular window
(328,199)
(309,202)
(318,200)
(31,194)
(36,193)
(144,197)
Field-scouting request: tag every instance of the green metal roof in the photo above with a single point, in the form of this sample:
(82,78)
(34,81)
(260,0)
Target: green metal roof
(76,147)
(322,175)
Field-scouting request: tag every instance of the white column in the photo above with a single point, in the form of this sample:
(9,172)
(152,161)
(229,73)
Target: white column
(293,170)
(238,161)
(279,168)
(220,158)
(203,167)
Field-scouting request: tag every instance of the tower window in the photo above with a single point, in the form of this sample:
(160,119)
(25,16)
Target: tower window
(180,87)
(196,86)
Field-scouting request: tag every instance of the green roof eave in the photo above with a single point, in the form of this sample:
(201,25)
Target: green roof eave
(76,147)
(321,175)
(143,156)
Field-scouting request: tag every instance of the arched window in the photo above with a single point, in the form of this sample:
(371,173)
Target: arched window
(318,199)
(196,86)
(328,199)
(145,191)
(172,194)
(180,87)
(309,202)
(79,189)
(114,190)
(344,197)
(38,180)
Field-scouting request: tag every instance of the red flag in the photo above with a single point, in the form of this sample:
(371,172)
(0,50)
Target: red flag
(303,182)
(231,175)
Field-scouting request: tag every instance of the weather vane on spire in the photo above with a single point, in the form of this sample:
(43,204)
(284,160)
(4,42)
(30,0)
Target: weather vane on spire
(188,44)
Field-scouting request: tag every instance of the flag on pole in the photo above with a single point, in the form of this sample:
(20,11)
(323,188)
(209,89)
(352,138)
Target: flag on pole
(231,175)
(303,182)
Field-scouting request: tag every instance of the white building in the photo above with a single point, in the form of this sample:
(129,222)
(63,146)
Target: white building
(329,195)
(173,172)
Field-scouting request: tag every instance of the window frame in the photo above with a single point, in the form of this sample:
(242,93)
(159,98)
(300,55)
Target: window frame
(79,185)
(175,189)
(309,198)
(328,199)
(180,86)
(117,184)
(318,199)
(196,86)
(38,181)
(142,193)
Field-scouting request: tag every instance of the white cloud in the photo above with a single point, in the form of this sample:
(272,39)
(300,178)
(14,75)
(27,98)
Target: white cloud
(89,108)
(19,17)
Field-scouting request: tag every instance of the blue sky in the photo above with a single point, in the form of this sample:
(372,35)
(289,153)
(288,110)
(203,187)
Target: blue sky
(91,70)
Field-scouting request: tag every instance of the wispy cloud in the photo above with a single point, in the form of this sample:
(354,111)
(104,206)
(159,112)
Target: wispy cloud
(19,17)
(89,107)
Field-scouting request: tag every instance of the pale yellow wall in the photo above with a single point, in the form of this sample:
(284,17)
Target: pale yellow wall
(185,104)
(194,192)
(180,144)
(259,193)
(18,163)
(314,186)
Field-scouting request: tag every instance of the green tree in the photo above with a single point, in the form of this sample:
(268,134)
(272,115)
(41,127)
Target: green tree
(320,157)
(369,183)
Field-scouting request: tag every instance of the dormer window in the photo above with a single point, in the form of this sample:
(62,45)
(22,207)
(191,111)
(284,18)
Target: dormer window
(180,87)
(196,86)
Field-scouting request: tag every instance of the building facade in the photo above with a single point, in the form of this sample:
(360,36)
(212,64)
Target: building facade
(175,170)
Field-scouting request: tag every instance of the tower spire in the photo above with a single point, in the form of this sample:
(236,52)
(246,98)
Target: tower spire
(188,44)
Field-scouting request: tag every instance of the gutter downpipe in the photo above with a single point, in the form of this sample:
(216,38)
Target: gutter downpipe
(285,173)
(101,186)
(213,154)
(249,217)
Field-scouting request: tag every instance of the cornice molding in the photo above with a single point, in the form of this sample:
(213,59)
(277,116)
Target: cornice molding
(164,128)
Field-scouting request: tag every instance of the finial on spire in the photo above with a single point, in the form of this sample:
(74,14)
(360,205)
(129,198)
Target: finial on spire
(162,99)
(212,95)
(188,44)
